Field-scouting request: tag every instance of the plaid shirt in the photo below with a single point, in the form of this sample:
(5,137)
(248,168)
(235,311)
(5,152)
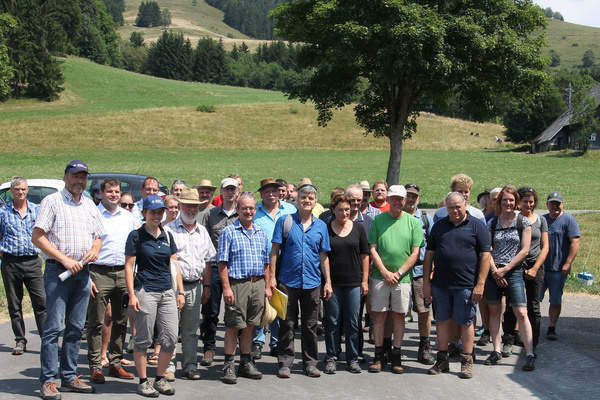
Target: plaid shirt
(194,249)
(16,230)
(70,226)
(245,251)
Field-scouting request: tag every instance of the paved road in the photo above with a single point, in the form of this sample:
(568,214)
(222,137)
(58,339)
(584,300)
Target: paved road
(566,369)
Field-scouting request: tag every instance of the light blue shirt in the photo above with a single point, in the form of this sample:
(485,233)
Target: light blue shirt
(117,227)
(418,268)
(443,212)
(263,219)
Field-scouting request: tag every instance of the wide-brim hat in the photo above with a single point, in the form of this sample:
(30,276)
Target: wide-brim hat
(364,185)
(269,314)
(206,184)
(190,196)
(486,192)
(268,182)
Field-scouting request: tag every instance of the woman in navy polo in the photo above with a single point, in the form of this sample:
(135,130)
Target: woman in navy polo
(152,299)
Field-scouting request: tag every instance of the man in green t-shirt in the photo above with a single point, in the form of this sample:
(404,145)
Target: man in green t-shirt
(395,239)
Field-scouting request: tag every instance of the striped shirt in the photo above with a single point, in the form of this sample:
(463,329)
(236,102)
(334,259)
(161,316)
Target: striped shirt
(70,226)
(194,249)
(245,251)
(16,230)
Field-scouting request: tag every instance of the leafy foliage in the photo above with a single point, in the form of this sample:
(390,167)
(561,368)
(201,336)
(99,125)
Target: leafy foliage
(248,16)
(584,119)
(6,70)
(148,15)
(589,59)
(170,57)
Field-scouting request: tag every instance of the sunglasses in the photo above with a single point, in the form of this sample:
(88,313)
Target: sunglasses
(127,205)
(412,186)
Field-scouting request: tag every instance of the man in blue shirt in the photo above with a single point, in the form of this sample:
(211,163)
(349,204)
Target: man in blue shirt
(21,264)
(563,240)
(303,263)
(268,211)
(244,270)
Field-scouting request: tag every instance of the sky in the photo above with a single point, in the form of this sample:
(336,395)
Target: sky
(582,12)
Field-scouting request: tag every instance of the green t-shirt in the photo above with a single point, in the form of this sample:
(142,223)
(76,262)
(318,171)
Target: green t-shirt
(395,237)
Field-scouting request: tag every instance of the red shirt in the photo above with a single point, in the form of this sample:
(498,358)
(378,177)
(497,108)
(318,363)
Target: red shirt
(384,208)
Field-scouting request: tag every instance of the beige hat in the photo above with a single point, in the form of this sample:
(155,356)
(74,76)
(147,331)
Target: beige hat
(229,182)
(268,182)
(304,181)
(206,184)
(397,190)
(269,314)
(189,196)
(364,185)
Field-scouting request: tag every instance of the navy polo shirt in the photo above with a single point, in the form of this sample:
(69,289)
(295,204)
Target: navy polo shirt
(301,263)
(457,248)
(153,262)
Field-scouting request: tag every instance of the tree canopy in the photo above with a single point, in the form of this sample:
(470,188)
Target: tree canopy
(406,49)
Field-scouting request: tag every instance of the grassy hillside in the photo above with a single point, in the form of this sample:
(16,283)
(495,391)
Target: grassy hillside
(571,41)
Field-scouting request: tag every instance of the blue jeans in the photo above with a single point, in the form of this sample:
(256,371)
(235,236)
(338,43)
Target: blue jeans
(211,309)
(260,337)
(66,302)
(514,292)
(345,301)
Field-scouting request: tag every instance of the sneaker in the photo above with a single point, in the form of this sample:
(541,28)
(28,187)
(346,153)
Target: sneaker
(507,350)
(330,366)
(529,363)
(466,366)
(248,370)
(97,376)
(453,351)
(424,355)
(551,335)
(20,348)
(442,364)
(146,390)
(493,359)
(284,372)
(484,339)
(192,375)
(76,385)
(129,347)
(208,358)
(229,376)
(312,371)
(479,331)
(397,361)
(353,367)
(170,376)
(256,351)
(164,387)
(49,391)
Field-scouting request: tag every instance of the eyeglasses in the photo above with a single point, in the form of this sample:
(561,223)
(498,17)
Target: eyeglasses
(356,201)
(127,205)
(412,186)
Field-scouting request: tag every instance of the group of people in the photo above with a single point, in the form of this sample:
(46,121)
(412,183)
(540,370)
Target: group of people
(168,263)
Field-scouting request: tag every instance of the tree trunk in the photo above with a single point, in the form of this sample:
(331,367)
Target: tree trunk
(393,171)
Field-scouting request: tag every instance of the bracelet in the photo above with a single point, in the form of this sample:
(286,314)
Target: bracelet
(181,294)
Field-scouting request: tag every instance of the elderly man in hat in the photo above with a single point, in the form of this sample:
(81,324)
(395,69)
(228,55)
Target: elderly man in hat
(395,238)
(563,240)
(195,250)
(268,211)
(244,271)
(365,207)
(68,231)
(206,191)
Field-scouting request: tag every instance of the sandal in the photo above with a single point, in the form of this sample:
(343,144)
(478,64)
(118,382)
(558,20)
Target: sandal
(153,359)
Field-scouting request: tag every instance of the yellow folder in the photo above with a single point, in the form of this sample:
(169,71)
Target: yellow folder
(279,302)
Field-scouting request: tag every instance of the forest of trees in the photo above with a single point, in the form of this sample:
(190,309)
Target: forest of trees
(249,17)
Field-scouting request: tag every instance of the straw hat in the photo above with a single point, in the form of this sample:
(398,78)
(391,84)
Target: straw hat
(269,314)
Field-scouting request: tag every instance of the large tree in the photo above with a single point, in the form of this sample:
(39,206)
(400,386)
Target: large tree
(404,49)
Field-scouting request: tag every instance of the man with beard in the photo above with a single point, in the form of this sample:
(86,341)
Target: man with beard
(194,253)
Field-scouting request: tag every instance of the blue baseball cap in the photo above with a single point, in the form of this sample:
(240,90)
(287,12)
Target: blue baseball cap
(153,202)
(76,166)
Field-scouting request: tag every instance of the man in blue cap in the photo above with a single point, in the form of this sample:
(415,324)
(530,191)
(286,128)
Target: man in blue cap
(68,231)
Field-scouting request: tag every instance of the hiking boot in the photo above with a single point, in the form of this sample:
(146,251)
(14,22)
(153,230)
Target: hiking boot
(208,358)
(466,366)
(378,362)
(529,363)
(248,370)
(442,364)
(170,376)
(76,385)
(146,390)
(256,351)
(49,391)
(425,356)
(551,335)
(330,366)
(273,352)
(507,350)
(164,387)
(229,376)
(353,367)
(20,348)
(453,351)
(484,339)
(97,376)
(493,359)
(397,361)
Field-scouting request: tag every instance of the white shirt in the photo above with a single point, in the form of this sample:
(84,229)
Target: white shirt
(194,249)
(117,227)
(474,212)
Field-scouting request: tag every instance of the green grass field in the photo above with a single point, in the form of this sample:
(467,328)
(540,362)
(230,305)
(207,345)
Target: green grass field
(571,41)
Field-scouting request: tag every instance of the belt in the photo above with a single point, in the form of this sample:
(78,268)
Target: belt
(113,268)
(251,279)
(188,282)
(25,257)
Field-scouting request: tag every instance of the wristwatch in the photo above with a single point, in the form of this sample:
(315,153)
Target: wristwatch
(400,273)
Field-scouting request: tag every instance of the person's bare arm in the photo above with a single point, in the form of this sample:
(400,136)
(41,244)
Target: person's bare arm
(273,265)
(389,278)
(566,268)
(224,275)
(327,289)
(484,270)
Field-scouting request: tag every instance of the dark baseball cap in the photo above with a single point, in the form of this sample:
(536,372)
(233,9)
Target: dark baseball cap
(555,196)
(153,202)
(76,166)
